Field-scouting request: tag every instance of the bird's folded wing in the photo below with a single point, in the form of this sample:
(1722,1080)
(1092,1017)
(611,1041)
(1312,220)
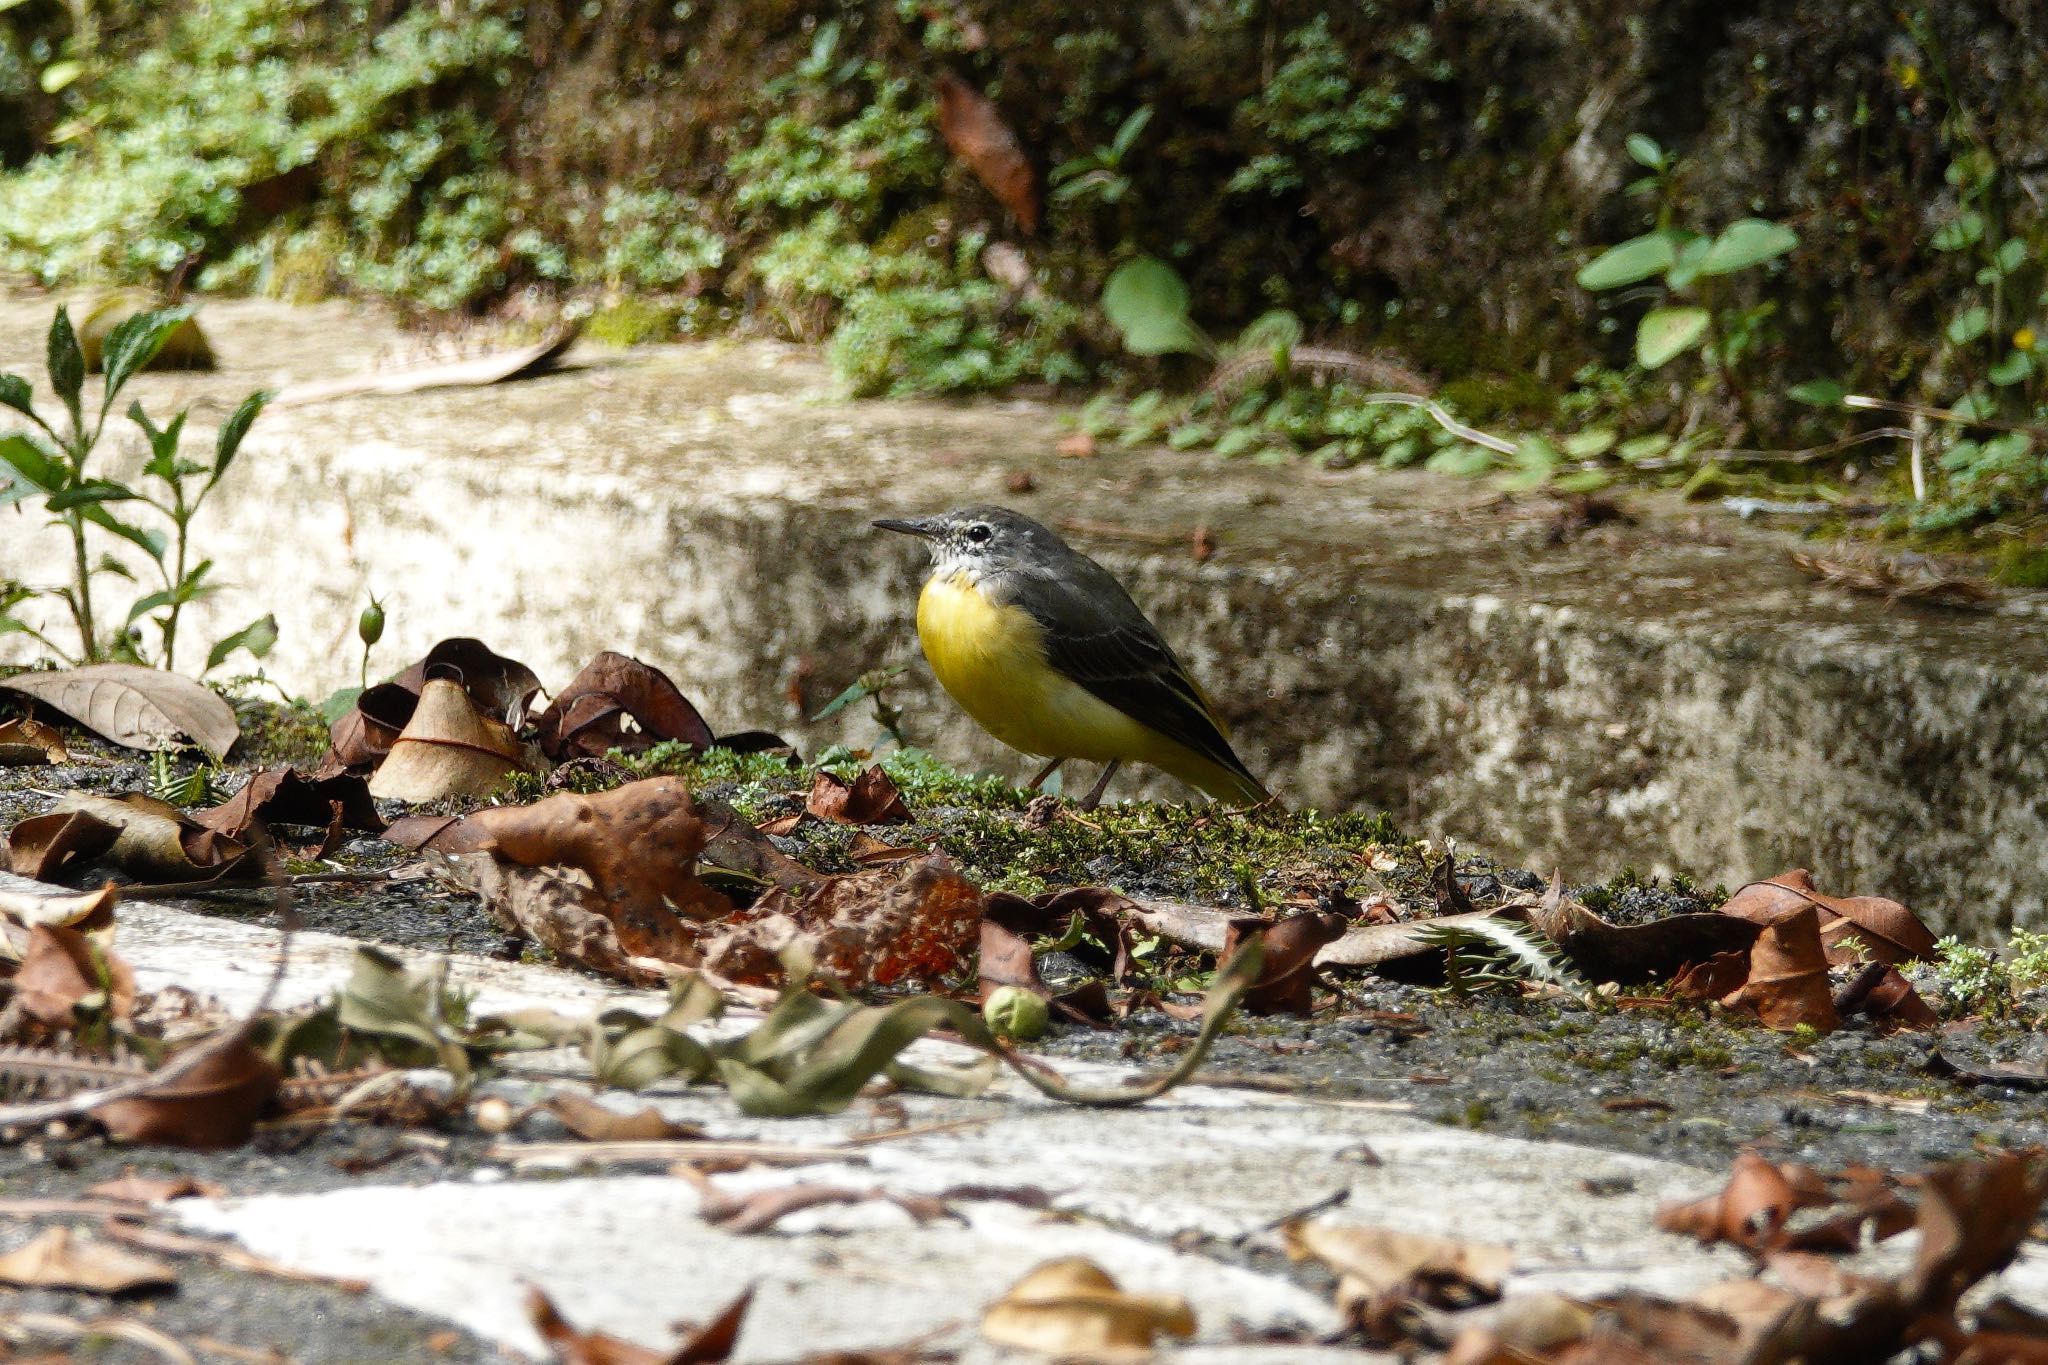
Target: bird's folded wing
(1125,663)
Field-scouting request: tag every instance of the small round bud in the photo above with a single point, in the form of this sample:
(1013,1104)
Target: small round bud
(1016,1013)
(370,625)
(492,1114)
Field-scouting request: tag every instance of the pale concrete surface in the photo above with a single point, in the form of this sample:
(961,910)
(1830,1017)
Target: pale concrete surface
(1671,695)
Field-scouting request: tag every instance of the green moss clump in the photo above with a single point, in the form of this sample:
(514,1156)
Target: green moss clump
(275,735)
(630,322)
(2022,564)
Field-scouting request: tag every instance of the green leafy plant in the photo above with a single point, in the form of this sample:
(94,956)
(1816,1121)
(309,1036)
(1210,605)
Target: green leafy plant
(1696,313)
(52,463)
(873,686)
(1974,981)
(1099,175)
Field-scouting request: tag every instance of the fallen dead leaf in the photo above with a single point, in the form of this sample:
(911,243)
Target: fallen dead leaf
(155,840)
(976,133)
(135,707)
(1074,1306)
(216,1105)
(57,1259)
(1888,931)
(870,799)
(42,846)
(917,919)
(285,796)
(637,845)
(502,688)
(147,1189)
(1752,1210)
(448,748)
(492,368)
(1788,976)
(361,738)
(1287,978)
(25,743)
(61,969)
(760,1210)
(1376,1266)
(597,1122)
(589,716)
(707,1345)
(90,911)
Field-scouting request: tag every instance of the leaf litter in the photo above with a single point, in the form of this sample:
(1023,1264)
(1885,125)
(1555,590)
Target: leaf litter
(1776,950)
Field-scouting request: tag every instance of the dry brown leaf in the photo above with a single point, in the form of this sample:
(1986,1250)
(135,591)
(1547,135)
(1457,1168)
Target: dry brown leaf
(216,1105)
(588,716)
(638,846)
(1074,1306)
(30,743)
(157,841)
(1888,931)
(760,1210)
(449,834)
(147,1189)
(597,1122)
(42,846)
(136,707)
(1720,975)
(870,799)
(1751,1210)
(285,796)
(569,918)
(494,367)
(976,133)
(1287,973)
(1374,1263)
(60,969)
(90,911)
(365,735)
(501,688)
(448,748)
(709,1344)
(59,1260)
(1788,976)
(917,919)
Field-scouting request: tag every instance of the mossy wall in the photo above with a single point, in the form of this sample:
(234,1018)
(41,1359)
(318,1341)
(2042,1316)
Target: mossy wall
(1420,175)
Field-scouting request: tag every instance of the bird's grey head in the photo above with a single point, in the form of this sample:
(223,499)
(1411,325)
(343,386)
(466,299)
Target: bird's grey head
(982,542)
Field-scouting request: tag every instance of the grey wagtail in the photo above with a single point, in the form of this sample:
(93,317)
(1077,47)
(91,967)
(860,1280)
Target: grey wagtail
(1048,653)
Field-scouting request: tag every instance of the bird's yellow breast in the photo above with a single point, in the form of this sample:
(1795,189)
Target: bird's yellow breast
(991,658)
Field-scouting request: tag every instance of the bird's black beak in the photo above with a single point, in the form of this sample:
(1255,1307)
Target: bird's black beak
(908,528)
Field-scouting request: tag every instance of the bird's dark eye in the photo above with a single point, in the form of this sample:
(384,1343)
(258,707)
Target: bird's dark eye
(979,534)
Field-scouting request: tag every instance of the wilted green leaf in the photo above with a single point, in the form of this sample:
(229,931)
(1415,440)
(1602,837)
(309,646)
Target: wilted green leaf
(1665,333)
(1147,302)
(1633,260)
(1747,242)
(409,1010)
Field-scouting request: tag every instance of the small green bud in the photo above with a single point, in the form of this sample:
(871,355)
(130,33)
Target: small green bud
(1014,1012)
(370,625)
